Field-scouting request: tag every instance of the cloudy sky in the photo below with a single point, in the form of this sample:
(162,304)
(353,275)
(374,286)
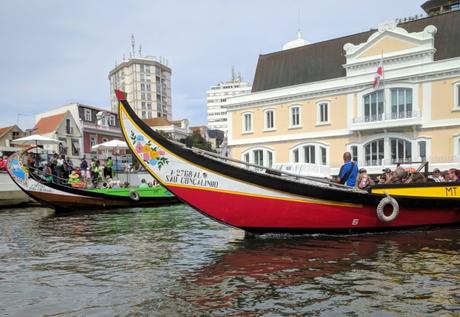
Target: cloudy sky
(56,52)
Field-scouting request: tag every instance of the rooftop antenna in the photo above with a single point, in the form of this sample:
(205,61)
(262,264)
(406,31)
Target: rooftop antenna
(140,50)
(133,43)
(233,73)
(299,34)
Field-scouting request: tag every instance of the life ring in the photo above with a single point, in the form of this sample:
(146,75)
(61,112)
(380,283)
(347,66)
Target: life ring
(381,207)
(134,195)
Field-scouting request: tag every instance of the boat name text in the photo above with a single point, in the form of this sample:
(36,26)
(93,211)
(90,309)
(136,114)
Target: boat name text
(451,191)
(188,177)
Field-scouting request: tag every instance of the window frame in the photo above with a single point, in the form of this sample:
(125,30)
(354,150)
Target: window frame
(87,113)
(250,115)
(266,120)
(297,154)
(319,112)
(291,117)
(456,106)
(268,156)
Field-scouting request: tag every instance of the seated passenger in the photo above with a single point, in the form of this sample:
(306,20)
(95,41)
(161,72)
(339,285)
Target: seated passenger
(453,175)
(73,178)
(363,181)
(348,171)
(436,176)
(143,184)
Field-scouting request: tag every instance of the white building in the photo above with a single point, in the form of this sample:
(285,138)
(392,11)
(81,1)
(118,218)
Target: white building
(217,97)
(147,82)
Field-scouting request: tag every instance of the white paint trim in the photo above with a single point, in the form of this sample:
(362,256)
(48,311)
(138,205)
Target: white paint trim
(318,112)
(291,126)
(456,105)
(426,102)
(243,122)
(443,69)
(265,111)
(318,157)
(291,137)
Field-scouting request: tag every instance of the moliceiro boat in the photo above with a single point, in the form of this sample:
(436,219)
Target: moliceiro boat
(261,202)
(66,198)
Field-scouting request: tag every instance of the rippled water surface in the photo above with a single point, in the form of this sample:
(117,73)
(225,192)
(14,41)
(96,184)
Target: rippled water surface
(171,261)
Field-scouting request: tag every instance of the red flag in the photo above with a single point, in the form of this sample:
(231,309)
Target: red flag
(378,75)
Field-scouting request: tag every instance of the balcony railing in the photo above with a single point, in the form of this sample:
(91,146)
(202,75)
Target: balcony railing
(389,116)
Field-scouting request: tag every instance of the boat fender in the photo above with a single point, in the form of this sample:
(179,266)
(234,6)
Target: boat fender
(134,195)
(381,207)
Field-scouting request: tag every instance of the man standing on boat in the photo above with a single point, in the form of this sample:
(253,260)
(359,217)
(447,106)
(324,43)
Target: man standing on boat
(348,171)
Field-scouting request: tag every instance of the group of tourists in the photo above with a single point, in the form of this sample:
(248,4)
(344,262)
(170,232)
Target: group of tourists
(353,176)
(60,169)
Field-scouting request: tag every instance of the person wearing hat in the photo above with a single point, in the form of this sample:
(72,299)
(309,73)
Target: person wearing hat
(363,181)
(73,178)
(436,176)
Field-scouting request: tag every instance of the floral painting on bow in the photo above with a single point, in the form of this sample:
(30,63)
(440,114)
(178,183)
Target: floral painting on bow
(147,151)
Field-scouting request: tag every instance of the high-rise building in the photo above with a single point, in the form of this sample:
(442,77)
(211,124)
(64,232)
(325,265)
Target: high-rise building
(217,97)
(147,82)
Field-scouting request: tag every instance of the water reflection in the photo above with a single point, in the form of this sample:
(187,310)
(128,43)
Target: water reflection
(384,273)
(173,261)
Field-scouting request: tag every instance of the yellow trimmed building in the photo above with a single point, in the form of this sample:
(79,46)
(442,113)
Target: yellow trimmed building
(312,102)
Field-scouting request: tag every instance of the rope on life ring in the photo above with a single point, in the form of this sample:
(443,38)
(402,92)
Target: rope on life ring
(388,200)
(134,195)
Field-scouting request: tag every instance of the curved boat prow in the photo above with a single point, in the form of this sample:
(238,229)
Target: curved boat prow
(262,202)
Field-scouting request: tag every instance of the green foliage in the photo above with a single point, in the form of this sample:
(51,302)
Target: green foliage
(199,142)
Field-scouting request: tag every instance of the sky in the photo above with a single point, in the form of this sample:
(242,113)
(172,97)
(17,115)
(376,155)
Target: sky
(55,52)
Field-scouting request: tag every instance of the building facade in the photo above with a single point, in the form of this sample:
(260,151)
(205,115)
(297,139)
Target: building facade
(8,134)
(177,129)
(96,125)
(147,82)
(311,103)
(217,98)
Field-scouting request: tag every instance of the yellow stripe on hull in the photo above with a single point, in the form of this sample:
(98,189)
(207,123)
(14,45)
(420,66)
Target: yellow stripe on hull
(451,192)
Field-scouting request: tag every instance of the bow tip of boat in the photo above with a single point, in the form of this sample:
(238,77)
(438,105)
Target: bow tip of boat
(121,95)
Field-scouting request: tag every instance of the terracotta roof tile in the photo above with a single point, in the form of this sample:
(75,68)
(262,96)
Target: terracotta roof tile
(48,124)
(5,130)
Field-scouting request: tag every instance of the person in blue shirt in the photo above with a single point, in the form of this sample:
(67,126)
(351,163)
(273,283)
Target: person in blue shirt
(348,171)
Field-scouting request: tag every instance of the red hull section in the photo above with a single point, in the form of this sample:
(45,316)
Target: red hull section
(264,213)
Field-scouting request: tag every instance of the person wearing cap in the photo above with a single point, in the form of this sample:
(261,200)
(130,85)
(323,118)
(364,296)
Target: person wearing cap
(385,178)
(436,176)
(348,171)
(363,181)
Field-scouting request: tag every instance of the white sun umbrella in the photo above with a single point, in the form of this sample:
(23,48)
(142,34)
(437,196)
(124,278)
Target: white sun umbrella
(34,139)
(110,145)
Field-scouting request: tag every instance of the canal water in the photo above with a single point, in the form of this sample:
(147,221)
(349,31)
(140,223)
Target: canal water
(172,261)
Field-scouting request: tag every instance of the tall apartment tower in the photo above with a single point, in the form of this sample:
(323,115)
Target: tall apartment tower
(217,99)
(147,82)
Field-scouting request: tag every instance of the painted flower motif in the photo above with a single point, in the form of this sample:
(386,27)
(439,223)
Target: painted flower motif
(147,151)
(139,148)
(154,155)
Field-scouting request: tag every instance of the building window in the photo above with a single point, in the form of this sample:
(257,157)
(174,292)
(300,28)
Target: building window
(401,103)
(354,153)
(112,121)
(401,151)
(457,96)
(310,153)
(296,155)
(262,157)
(68,128)
(294,116)
(269,119)
(88,115)
(374,153)
(92,141)
(323,112)
(247,122)
(422,150)
(373,106)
